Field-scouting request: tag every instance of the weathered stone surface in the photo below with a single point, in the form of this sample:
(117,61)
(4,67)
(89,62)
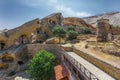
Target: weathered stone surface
(51,41)
(105,31)
(114,18)
(77,22)
(42,30)
(20,78)
(4,65)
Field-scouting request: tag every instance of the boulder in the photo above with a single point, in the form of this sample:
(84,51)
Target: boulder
(51,41)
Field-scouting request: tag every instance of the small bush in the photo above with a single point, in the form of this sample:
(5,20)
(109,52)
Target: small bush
(72,34)
(70,28)
(41,66)
(85,30)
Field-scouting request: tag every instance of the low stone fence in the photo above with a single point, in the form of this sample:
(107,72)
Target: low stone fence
(67,48)
(108,68)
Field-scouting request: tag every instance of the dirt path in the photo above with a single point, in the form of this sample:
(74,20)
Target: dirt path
(111,59)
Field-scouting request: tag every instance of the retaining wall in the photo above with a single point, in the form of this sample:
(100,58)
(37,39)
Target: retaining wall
(108,68)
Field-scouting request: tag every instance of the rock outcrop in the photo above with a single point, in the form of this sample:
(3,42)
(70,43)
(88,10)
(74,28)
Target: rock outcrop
(76,22)
(114,18)
(42,28)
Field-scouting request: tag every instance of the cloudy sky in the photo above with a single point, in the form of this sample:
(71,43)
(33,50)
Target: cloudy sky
(14,13)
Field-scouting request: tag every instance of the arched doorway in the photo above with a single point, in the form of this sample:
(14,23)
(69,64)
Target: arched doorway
(2,45)
(23,39)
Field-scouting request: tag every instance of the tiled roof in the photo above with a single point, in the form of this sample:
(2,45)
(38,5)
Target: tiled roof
(61,72)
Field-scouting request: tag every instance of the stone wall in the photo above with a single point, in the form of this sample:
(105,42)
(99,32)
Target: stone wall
(105,31)
(110,69)
(67,48)
(53,48)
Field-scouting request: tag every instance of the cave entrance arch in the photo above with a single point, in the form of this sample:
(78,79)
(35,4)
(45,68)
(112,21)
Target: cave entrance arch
(23,39)
(2,45)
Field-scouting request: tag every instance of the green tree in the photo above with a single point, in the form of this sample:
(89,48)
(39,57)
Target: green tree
(41,67)
(72,34)
(59,32)
(85,30)
(70,28)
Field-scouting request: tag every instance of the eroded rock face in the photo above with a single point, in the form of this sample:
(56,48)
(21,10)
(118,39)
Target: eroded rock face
(42,28)
(51,41)
(8,58)
(4,66)
(52,20)
(77,22)
(114,18)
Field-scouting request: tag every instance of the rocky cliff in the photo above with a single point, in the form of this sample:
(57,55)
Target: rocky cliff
(114,18)
(75,22)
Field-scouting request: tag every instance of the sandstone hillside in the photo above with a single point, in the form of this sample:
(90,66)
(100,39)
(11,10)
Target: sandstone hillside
(74,21)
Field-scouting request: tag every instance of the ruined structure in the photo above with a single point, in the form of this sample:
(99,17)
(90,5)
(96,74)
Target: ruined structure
(105,31)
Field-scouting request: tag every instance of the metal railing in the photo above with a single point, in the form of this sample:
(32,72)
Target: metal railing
(80,67)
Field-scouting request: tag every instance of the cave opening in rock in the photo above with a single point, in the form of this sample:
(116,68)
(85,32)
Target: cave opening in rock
(20,62)
(2,45)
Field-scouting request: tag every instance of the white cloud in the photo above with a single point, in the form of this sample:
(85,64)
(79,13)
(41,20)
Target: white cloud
(58,7)
(53,1)
(70,12)
(83,14)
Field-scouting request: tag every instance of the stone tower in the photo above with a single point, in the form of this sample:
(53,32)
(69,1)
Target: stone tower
(104,30)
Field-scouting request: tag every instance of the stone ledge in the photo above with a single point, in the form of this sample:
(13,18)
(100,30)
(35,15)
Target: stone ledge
(111,70)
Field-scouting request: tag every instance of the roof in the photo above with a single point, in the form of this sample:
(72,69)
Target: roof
(61,72)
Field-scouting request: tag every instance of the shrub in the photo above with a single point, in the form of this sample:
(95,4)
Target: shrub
(59,32)
(85,30)
(70,28)
(41,67)
(12,73)
(72,34)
